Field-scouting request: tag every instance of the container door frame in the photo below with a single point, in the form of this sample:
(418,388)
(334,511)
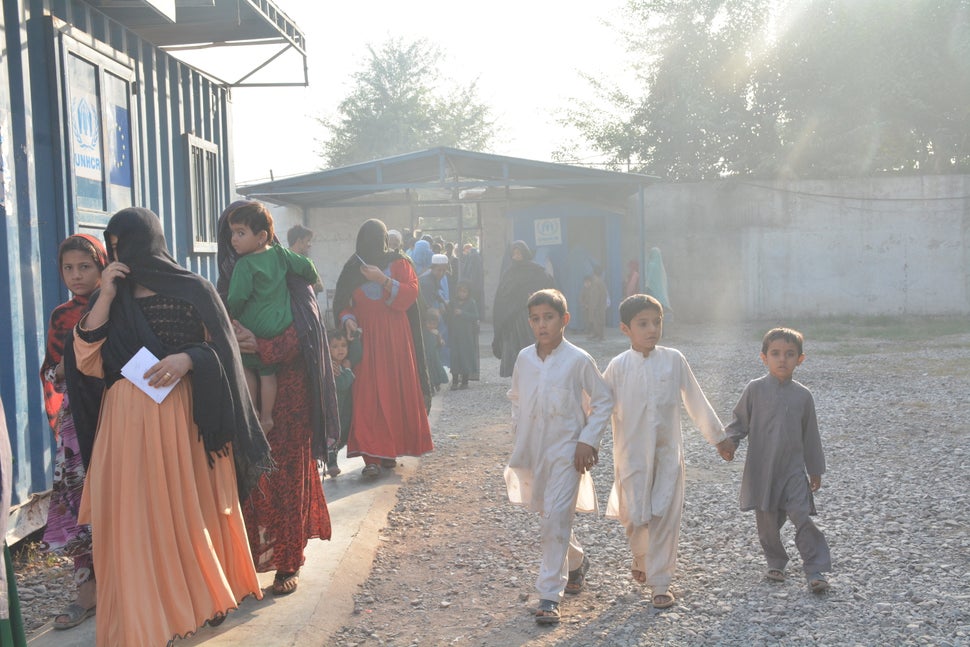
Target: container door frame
(116,148)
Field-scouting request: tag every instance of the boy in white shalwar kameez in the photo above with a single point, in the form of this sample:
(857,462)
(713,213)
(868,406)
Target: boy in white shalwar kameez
(560,407)
(649,382)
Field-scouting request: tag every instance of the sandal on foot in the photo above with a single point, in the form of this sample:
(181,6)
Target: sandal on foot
(664,600)
(285,583)
(775,575)
(577,578)
(371,471)
(548,612)
(73,615)
(817,583)
(388,463)
(333,471)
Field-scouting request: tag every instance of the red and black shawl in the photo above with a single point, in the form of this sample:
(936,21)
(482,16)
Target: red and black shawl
(59,332)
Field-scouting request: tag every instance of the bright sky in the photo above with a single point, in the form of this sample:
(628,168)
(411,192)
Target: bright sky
(526,54)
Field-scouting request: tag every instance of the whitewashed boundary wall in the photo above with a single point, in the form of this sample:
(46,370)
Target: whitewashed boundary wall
(772,250)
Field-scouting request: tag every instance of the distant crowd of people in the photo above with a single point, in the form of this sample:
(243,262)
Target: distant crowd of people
(191,420)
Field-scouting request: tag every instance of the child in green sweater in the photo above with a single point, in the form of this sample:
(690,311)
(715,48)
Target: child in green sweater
(258,296)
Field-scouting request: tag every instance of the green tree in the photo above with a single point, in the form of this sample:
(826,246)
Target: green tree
(400,104)
(863,86)
(785,88)
(693,113)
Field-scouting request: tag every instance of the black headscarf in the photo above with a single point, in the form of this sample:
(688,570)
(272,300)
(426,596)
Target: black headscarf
(372,249)
(314,346)
(517,283)
(223,410)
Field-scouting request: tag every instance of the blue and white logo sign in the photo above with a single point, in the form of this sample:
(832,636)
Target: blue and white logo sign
(86,129)
(548,231)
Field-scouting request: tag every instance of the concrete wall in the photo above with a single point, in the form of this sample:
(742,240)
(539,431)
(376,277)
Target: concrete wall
(763,250)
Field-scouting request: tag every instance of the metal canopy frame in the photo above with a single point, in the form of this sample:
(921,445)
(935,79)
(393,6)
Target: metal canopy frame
(215,24)
(447,172)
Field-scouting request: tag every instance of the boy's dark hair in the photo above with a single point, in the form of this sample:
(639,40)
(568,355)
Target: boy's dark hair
(464,284)
(337,333)
(550,297)
(256,216)
(634,304)
(297,232)
(790,335)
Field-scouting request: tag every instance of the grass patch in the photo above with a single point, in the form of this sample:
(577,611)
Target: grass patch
(904,328)
(29,555)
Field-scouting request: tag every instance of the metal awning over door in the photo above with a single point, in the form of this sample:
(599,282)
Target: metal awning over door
(194,25)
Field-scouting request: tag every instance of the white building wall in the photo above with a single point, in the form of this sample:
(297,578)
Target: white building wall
(886,246)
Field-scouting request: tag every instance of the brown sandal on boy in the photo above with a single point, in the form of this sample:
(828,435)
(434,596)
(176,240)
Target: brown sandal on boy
(664,600)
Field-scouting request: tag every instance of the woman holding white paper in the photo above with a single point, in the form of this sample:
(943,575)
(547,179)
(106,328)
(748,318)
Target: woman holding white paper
(165,479)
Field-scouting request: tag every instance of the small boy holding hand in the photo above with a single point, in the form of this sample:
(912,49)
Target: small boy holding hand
(649,382)
(785,462)
(556,444)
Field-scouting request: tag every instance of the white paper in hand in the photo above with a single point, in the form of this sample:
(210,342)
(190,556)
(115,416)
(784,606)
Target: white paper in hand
(135,370)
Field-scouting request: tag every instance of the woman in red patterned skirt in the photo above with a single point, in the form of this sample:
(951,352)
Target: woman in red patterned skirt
(288,507)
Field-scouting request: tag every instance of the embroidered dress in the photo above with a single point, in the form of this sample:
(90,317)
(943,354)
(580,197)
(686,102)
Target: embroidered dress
(288,507)
(63,534)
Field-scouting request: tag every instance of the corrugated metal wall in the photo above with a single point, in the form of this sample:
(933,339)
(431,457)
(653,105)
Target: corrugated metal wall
(172,99)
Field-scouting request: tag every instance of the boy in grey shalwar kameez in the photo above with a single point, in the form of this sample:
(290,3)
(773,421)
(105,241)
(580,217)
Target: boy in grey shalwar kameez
(777,414)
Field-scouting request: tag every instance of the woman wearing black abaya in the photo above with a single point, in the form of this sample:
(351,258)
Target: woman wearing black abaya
(165,479)
(510,316)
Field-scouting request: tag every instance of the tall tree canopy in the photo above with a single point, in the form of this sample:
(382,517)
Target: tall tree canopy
(784,88)
(400,104)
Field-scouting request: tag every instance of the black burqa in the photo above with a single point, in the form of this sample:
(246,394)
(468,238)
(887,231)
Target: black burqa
(222,407)
(372,249)
(314,346)
(510,315)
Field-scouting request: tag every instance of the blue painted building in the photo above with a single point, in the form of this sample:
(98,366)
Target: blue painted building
(97,114)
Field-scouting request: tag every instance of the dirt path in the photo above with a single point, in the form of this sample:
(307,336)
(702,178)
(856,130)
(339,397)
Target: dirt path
(457,562)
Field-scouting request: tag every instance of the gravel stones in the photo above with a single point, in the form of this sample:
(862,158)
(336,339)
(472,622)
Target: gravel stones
(895,425)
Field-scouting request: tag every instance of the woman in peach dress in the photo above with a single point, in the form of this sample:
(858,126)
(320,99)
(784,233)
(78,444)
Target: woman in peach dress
(165,480)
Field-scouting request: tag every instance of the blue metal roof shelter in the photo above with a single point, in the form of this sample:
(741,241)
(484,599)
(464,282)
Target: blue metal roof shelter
(450,169)
(585,206)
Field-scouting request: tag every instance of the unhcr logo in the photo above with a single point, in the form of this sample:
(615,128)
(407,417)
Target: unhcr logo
(86,125)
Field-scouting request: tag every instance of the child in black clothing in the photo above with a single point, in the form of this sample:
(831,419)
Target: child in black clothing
(463,336)
(343,378)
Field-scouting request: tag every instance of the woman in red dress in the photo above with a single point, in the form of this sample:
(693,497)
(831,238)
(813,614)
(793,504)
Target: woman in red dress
(376,297)
(288,508)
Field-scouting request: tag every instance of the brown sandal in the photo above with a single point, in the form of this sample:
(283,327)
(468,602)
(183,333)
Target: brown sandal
(664,600)
(285,583)
(548,612)
(577,578)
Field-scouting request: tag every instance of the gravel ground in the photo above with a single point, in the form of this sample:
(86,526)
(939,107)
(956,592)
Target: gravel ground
(457,561)
(45,584)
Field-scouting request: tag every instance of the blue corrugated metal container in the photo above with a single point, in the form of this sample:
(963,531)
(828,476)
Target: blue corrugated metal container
(94,117)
